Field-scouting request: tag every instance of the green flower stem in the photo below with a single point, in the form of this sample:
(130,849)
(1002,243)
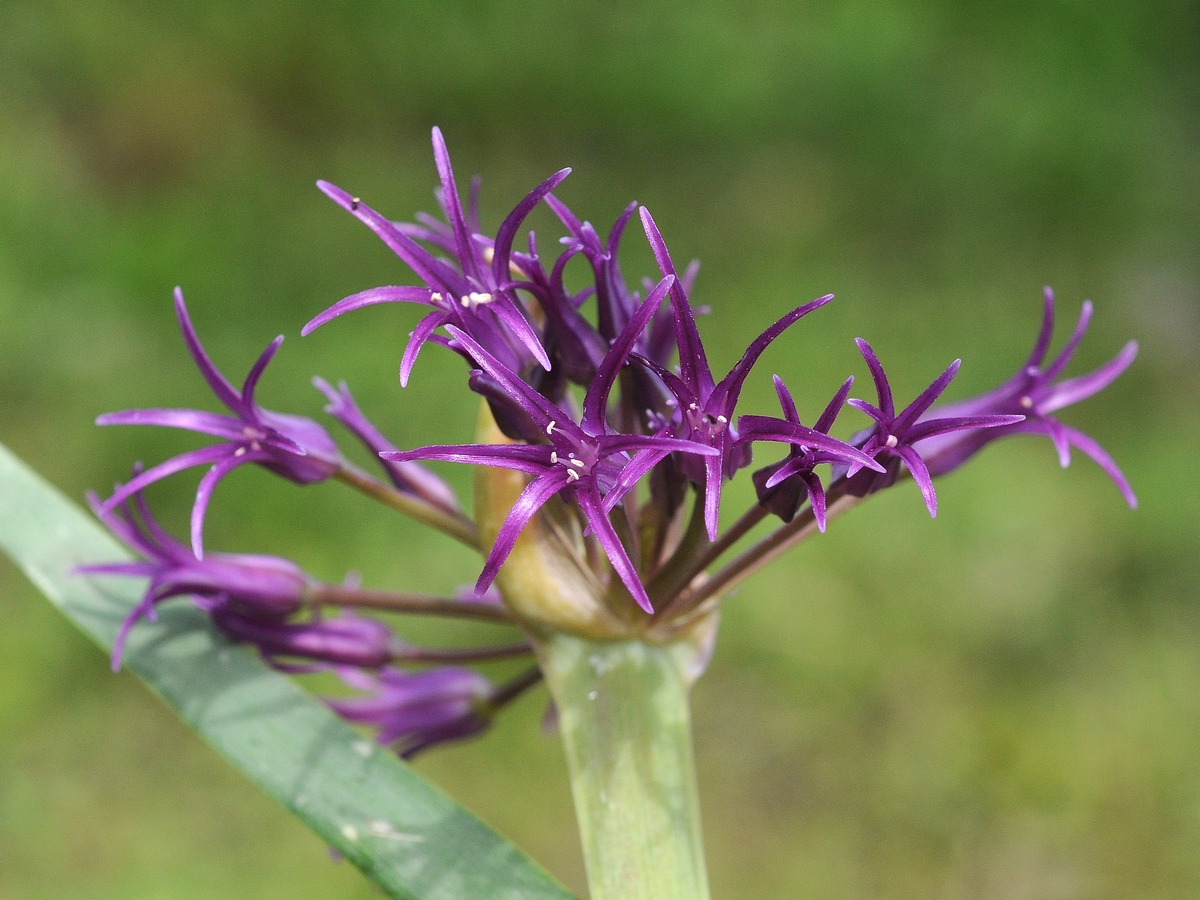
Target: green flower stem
(624,715)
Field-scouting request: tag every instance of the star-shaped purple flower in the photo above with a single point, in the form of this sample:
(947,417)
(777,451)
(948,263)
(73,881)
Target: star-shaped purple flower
(891,440)
(291,446)
(1033,393)
(415,710)
(585,461)
(265,589)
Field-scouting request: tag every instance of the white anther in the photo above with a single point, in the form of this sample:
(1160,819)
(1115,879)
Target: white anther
(488,255)
(550,427)
(240,451)
(1026,403)
(553,456)
(572,475)
(354,201)
(891,441)
(693,406)
(435,297)
(476,298)
(722,420)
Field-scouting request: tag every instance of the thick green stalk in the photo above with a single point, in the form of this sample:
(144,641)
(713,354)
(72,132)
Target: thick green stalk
(624,715)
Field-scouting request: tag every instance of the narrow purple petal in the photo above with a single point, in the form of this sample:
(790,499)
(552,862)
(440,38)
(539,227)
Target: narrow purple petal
(925,399)
(642,462)
(1075,389)
(830,414)
(727,392)
(536,493)
(255,373)
(208,483)
(513,315)
(508,228)
(522,457)
(712,495)
(816,497)
(433,271)
(1044,335)
(920,474)
(693,364)
(222,388)
(1104,461)
(175,464)
(766,428)
(1064,355)
(613,548)
(190,419)
(927,429)
(882,388)
(388,294)
(453,207)
(417,340)
(786,403)
(595,403)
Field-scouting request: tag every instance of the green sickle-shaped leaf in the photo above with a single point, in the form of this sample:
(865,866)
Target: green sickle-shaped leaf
(405,834)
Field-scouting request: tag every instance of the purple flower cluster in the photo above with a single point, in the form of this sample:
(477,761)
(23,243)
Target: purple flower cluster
(614,420)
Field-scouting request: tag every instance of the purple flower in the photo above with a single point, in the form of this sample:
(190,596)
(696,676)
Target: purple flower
(706,407)
(256,588)
(584,462)
(892,437)
(414,711)
(292,446)
(783,487)
(408,477)
(1033,394)
(347,639)
(476,296)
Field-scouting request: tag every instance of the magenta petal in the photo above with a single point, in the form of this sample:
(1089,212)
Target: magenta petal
(222,388)
(255,373)
(416,341)
(508,228)
(1075,389)
(1045,333)
(1064,355)
(389,294)
(208,484)
(175,464)
(882,388)
(453,206)
(1102,459)
(190,419)
(920,474)
(613,548)
(536,493)
(522,457)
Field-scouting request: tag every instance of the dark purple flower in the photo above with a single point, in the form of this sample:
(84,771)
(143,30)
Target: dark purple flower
(347,639)
(257,588)
(408,477)
(892,437)
(415,710)
(1033,394)
(292,446)
(584,461)
(476,296)
(706,407)
(783,487)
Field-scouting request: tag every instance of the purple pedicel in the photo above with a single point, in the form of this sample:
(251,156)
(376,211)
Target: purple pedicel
(1033,394)
(890,440)
(292,446)
(258,588)
(706,407)
(416,710)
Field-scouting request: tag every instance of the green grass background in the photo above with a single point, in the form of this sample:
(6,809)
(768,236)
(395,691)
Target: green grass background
(1004,703)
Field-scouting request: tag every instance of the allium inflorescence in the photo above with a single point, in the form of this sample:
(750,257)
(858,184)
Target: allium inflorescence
(622,437)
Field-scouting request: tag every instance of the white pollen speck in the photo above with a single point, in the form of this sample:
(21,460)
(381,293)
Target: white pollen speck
(891,441)
(1026,403)
(350,832)
(240,451)
(693,406)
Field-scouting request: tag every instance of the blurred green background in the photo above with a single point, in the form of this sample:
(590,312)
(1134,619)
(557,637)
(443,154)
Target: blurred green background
(1004,703)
